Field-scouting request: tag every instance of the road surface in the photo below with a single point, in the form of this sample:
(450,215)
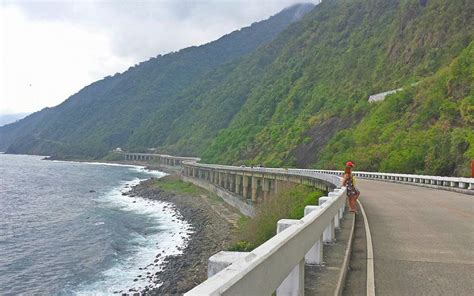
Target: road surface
(423,240)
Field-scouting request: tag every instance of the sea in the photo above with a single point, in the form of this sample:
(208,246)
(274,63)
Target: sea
(67,229)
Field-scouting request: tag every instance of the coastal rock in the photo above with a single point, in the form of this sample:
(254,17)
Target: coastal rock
(182,272)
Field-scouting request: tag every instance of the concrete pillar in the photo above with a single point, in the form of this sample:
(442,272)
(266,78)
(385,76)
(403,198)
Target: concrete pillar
(254,189)
(226,181)
(266,189)
(245,186)
(315,254)
(231,182)
(221,260)
(275,186)
(293,284)
(329,233)
(237,184)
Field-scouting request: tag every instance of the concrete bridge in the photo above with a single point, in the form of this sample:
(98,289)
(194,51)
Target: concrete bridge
(158,158)
(414,239)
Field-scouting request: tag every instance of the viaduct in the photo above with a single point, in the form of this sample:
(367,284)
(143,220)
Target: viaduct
(417,232)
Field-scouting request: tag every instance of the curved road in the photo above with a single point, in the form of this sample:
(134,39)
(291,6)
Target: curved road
(423,239)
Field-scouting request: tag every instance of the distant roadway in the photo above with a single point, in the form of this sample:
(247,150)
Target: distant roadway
(423,239)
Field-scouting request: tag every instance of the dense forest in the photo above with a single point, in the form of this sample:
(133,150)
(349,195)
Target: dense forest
(290,95)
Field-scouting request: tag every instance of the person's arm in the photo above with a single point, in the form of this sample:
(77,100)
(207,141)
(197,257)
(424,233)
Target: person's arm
(344,180)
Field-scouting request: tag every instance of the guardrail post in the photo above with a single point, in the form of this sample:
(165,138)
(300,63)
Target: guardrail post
(329,233)
(315,254)
(293,284)
(221,260)
(337,223)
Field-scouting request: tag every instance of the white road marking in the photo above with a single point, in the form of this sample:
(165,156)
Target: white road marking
(370,255)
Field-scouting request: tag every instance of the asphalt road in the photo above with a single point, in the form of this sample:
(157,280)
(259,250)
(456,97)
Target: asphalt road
(423,239)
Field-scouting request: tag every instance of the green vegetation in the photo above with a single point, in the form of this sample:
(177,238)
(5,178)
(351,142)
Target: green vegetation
(175,185)
(290,95)
(289,204)
(427,128)
(342,52)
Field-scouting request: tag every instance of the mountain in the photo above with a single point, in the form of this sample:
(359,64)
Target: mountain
(9,118)
(107,113)
(311,107)
(301,99)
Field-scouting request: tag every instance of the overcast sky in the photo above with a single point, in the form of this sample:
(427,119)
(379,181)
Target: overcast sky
(49,50)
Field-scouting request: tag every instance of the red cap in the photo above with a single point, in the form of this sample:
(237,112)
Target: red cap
(349,164)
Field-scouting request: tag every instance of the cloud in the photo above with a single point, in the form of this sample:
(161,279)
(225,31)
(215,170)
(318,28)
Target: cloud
(59,47)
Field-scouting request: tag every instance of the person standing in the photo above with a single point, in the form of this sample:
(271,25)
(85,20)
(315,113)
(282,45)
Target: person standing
(348,182)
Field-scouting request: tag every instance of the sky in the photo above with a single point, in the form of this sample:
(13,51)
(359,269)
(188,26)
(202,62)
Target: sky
(49,50)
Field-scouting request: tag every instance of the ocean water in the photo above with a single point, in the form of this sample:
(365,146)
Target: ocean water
(66,228)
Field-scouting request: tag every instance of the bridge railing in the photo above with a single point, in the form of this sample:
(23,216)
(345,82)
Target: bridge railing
(278,264)
(439,181)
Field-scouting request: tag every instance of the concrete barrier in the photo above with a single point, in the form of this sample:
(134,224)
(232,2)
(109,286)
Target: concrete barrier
(278,264)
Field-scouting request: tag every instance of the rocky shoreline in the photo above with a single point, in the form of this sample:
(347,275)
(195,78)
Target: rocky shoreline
(211,233)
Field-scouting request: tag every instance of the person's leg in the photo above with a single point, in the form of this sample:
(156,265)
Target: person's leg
(352,203)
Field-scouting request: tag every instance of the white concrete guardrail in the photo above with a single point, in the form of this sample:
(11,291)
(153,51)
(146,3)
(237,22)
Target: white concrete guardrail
(278,264)
(465,184)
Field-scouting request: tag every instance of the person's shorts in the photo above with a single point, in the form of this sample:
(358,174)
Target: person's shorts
(352,191)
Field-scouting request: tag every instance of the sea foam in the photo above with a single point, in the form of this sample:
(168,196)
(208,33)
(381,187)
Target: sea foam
(170,238)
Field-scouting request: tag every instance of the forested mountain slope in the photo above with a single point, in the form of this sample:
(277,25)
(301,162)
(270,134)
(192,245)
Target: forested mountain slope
(321,78)
(426,128)
(108,112)
(301,99)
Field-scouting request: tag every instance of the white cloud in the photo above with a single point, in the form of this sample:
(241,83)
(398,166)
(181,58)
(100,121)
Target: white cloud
(50,50)
(42,63)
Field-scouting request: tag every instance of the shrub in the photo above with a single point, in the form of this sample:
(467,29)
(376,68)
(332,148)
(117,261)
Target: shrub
(288,204)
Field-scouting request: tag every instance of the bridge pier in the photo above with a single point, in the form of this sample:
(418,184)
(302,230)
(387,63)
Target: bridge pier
(254,189)
(238,184)
(245,187)
(266,189)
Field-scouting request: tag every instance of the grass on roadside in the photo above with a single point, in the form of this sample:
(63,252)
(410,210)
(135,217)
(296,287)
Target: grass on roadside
(289,204)
(173,184)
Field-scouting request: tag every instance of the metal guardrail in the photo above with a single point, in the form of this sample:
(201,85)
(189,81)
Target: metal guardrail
(448,182)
